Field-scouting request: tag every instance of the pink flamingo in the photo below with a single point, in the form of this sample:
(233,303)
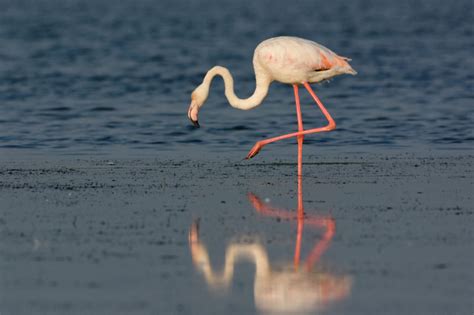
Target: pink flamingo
(285,59)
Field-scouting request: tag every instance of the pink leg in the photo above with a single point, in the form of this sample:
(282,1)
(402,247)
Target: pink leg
(300,129)
(331,126)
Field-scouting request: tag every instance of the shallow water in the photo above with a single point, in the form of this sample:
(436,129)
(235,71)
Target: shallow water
(381,234)
(99,76)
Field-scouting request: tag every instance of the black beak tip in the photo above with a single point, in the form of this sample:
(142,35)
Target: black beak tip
(195,123)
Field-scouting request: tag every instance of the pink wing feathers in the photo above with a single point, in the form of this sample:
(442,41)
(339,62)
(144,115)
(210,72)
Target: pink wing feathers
(328,60)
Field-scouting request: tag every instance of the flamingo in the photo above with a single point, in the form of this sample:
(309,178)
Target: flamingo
(289,60)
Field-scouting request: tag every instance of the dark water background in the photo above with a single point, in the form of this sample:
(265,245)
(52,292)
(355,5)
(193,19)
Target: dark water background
(97,76)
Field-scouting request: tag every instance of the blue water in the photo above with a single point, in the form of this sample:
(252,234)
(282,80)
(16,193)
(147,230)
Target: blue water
(97,76)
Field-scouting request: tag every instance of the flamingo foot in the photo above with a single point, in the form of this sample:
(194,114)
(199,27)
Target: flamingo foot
(255,150)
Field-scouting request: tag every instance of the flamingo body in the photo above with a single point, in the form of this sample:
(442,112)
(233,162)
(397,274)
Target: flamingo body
(294,60)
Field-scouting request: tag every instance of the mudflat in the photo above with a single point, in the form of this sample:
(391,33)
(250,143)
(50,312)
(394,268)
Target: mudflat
(93,235)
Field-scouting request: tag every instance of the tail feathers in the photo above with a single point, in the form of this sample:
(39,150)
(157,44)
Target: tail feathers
(350,70)
(347,67)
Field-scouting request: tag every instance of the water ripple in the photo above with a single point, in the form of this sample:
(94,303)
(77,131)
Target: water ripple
(87,75)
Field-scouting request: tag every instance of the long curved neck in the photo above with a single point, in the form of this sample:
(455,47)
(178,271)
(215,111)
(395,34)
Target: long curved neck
(261,89)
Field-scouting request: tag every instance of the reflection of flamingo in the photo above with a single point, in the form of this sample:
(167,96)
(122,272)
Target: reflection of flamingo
(292,289)
(286,290)
(289,60)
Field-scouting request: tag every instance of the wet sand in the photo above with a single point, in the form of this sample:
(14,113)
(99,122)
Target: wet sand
(92,235)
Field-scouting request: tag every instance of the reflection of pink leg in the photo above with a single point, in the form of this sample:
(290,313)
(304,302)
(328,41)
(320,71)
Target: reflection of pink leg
(268,210)
(331,126)
(299,237)
(313,221)
(323,244)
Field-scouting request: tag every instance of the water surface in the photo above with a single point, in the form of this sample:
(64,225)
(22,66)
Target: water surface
(102,76)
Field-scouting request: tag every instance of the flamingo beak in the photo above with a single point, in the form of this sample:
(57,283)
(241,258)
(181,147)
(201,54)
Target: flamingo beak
(193,113)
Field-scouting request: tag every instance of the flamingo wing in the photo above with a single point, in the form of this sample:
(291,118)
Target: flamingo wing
(326,59)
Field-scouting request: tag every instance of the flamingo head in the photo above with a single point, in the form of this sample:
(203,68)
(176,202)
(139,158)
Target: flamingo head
(198,97)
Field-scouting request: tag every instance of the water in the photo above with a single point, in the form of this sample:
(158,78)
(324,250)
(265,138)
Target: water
(102,76)
(381,235)
(110,235)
